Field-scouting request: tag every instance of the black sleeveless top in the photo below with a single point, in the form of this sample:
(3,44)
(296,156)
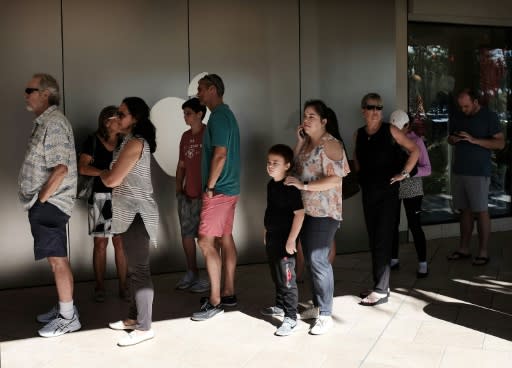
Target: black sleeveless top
(379,159)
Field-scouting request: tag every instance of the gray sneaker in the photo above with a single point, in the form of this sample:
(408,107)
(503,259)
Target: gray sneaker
(52,314)
(186,281)
(287,327)
(200,286)
(60,326)
(207,311)
(273,311)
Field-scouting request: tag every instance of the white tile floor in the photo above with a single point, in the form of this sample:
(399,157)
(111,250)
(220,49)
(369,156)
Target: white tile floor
(460,316)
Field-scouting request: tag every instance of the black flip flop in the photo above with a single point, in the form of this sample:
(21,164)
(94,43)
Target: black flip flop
(455,256)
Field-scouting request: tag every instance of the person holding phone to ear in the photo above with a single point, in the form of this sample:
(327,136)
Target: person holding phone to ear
(320,167)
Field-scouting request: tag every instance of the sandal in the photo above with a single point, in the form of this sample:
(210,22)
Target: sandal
(364,294)
(374,299)
(455,256)
(480,261)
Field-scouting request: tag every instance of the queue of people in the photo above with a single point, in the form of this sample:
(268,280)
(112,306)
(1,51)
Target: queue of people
(303,213)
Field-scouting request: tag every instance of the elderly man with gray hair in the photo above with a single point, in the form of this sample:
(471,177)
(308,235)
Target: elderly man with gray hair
(47,189)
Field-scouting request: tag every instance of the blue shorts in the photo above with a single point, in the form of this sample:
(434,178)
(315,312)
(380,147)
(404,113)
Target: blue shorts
(48,226)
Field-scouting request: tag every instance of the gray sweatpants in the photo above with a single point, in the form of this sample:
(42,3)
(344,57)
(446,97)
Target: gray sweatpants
(136,249)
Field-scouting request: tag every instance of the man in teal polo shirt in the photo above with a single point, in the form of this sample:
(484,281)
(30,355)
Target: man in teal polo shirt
(220,171)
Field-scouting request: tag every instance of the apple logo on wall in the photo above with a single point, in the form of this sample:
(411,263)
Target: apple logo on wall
(167,116)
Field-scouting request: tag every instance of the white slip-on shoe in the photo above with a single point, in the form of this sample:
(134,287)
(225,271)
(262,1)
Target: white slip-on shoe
(136,337)
(120,325)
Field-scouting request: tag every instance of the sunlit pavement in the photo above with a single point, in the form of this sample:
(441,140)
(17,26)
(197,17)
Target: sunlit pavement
(460,316)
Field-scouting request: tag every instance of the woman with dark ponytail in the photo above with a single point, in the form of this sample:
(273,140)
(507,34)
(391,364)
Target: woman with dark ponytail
(132,200)
(319,160)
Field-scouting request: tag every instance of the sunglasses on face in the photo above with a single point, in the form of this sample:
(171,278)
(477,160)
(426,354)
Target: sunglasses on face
(121,114)
(29,91)
(374,107)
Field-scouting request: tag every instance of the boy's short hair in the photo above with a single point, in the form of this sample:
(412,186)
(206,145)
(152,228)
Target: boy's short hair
(284,151)
(195,106)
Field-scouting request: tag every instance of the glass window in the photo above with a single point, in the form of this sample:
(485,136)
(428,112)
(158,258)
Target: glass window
(442,60)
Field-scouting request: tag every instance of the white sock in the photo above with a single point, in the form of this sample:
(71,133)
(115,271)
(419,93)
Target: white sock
(422,267)
(394,261)
(66,309)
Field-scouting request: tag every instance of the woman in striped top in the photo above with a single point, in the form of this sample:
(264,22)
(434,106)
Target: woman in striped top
(130,176)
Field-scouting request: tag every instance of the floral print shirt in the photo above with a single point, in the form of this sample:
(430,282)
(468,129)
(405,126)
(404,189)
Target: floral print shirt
(52,143)
(314,165)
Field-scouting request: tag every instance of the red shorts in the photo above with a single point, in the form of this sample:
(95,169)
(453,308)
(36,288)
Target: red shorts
(217,215)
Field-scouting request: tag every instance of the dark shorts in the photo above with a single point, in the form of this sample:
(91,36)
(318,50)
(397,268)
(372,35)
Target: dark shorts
(48,226)
(189,212)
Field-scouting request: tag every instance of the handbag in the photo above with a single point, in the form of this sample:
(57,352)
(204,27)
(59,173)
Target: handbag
(350,186)
(100,215)
(85,183)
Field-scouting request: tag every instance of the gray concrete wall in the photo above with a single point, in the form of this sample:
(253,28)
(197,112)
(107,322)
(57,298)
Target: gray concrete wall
(272,56)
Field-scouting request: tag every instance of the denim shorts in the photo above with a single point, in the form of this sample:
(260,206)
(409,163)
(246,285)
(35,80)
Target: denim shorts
(48,226)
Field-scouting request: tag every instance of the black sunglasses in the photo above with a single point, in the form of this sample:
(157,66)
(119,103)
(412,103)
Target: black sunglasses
(28,91)
(374,107)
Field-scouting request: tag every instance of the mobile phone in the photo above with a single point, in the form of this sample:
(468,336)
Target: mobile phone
(302,133)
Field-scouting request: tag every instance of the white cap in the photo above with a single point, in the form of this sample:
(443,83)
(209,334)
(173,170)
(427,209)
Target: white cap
(399,118)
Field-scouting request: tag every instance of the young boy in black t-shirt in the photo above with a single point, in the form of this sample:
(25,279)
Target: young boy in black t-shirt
(283,219)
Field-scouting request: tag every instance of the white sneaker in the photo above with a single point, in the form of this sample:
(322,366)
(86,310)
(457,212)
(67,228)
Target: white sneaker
(186,281)
(310,313)
(200,286)
(59,326)
(120,325)
(52,314)
(322,325)
(135,337)
(287,327)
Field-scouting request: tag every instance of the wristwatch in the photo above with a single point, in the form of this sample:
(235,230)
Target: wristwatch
(405,174)
(206,190)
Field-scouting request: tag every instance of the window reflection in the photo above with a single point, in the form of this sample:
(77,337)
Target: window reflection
(443,59)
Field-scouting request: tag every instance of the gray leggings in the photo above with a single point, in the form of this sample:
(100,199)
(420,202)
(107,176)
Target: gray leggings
(136,248)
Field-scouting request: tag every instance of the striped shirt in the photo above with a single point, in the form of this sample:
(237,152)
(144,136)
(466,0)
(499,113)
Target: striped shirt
(135,195)
(51,144)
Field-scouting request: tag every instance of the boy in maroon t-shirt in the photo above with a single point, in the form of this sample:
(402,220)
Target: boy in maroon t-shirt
(189,190)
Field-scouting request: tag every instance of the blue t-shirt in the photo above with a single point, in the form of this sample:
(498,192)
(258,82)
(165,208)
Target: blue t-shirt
(471,159)
(222,131)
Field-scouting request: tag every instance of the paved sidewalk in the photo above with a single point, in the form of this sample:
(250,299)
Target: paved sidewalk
(460,316)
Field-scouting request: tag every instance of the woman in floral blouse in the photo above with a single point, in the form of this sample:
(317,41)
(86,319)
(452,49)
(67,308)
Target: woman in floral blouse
(320,167)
